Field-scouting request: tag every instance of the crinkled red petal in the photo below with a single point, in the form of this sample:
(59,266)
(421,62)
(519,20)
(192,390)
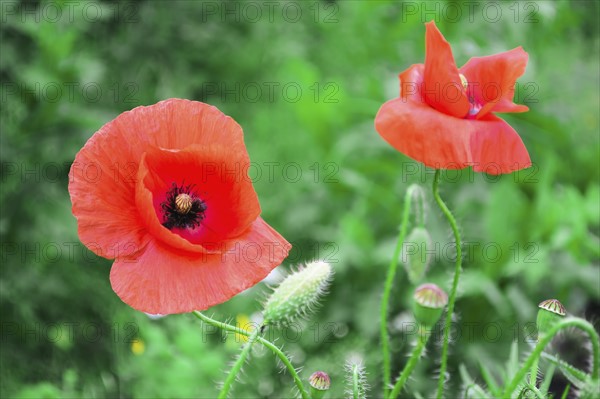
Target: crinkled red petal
(492,80)
(424,134)
(443,142)
(162,281)
(496,148)
(442,87)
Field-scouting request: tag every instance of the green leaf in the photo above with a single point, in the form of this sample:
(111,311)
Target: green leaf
(489,380)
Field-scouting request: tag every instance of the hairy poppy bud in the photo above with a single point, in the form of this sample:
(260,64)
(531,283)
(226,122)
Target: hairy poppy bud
(416,254)
(417,198)
(319,383)
(298,294)
(429,303)
(550,312)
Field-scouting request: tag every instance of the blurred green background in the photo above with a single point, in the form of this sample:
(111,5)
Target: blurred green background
(304,80)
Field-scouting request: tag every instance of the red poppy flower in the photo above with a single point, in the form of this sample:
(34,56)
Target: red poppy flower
(444,116)
(164,191)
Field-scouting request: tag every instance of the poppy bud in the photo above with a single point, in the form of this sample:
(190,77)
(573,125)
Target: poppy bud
(319,383)
(429,303)
(298,294)
(416,254)
(417,198)
(550,312)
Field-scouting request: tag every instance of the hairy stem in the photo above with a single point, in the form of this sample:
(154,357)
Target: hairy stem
(408,369)
(355,382)
(530,388)
(389,282)
(284,359)
(568,370)
(457,270)
(545,340)
(533,373)
(237,366)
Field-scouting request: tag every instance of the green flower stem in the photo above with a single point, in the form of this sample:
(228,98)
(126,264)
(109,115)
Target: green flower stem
(457,270)
(477,390)
(389,282)
(566,392)
(533,373)
(565,367)
(237,366)
(264,342)
(412,362)
(546,339)
(531,388)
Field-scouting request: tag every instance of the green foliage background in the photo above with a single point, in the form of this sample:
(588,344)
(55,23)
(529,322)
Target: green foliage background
(345,207)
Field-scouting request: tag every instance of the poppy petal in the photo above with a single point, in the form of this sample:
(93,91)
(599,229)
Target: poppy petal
(411,82)
(444,142)
(496,147)
(492,80)
(424,134)
(160,281)
(177,124)
(442,87)
(102,191)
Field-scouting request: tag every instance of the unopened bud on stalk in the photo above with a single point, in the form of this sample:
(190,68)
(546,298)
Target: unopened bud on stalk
(319,384)
(416,254)
(429,303)
(550,312)
(417,198)
(298,294)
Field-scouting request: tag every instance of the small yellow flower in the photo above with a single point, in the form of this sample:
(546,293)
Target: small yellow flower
(138,347)
(243,322)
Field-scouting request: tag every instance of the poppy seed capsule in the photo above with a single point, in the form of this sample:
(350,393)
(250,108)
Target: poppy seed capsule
(298,294)
(429,303)
(550,312)
(416,254)
(183,203)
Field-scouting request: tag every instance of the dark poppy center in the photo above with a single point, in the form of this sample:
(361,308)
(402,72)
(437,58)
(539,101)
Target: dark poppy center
(182,208)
